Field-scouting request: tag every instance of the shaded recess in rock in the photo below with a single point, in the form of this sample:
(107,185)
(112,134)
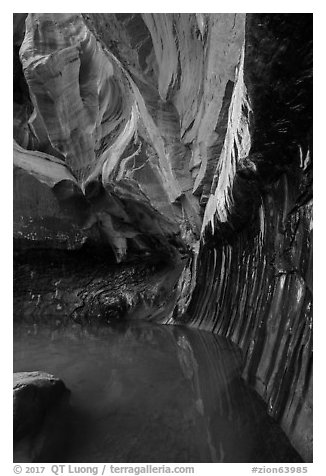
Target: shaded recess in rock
(190,136)
(86,286)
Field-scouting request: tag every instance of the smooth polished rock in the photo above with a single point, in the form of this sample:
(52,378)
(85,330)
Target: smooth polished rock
(41,417)
(35,393)
(149,137)
(189,133)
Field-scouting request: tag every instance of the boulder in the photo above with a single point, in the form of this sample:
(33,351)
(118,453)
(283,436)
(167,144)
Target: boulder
(40,409)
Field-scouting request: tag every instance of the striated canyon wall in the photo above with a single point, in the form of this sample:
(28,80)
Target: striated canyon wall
(188,137)
(258,281)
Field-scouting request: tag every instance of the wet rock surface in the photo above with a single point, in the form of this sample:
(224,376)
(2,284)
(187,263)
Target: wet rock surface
(40,405)
(258,276)
(259,295)
(88,287)
(185,136)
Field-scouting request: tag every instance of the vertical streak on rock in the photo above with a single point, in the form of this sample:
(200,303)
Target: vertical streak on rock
(256,295)
(72,87)
(152,118)
(253,280)
(236,147)
(164,45)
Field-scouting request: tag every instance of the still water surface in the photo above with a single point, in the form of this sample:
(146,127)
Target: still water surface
(141,392)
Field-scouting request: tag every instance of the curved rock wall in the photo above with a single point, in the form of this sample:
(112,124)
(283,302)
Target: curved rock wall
(258,292)
(253,282)
(131,125)
(188,133)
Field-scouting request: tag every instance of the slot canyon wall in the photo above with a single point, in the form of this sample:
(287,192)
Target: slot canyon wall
(188,137)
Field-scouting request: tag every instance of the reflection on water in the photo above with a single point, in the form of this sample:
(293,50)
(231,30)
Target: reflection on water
(148,393)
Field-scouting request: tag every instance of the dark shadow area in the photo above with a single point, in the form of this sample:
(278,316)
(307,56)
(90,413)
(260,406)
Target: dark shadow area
(147,393)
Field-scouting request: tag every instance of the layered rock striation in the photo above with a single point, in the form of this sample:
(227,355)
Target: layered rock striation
(188,136)
(130,138)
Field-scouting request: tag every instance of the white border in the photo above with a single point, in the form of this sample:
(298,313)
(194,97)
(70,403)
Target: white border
(319,466)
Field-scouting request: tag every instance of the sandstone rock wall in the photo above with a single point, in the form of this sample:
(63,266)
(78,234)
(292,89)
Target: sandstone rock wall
(257,290)
(252,278)
(189,133)
(130,126)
